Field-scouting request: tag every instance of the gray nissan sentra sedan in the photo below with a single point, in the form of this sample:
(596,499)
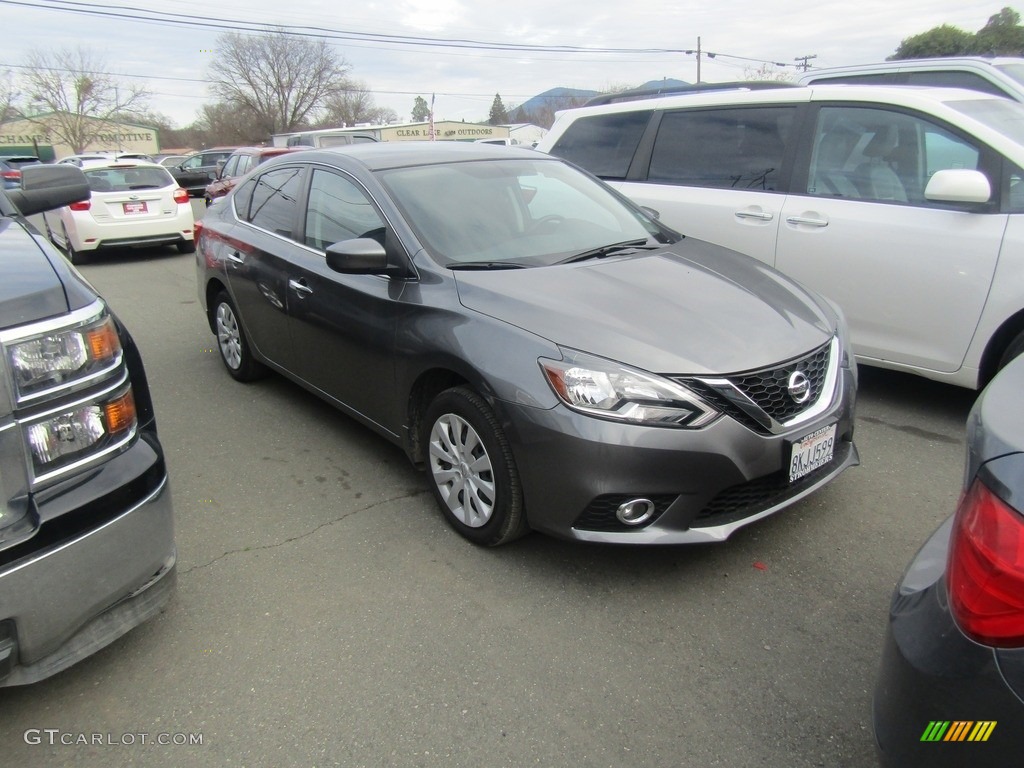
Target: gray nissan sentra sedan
(551,355)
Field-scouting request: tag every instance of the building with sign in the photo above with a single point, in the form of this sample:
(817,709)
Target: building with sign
(36,136)
(444,130)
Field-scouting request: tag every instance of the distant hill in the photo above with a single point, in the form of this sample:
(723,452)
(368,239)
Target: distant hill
(543,106)
(556,98)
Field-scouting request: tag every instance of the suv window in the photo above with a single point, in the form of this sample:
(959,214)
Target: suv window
(275,201)
(734,148)
(603,144)
(338,210)
(878,155)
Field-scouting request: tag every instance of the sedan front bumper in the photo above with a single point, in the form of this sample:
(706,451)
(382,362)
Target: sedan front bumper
(705,484)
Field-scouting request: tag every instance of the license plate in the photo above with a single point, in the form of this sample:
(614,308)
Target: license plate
(812,452)
(135,207)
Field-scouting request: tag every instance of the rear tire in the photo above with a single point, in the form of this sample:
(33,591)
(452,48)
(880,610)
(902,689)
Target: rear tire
(471,469)
(75,257)
(187,246)
(231,341)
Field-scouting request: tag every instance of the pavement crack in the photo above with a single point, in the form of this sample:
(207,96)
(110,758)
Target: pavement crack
(299,537)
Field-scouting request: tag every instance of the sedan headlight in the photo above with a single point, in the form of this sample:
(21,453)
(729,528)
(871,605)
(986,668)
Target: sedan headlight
(63,358)
(610,390)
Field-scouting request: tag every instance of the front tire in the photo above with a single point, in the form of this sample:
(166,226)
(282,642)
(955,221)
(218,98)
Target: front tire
(231,341)
(472,472)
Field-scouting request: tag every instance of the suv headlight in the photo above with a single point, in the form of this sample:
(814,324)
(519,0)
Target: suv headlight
(80,433)
(63,358)
(72,395)
(611,390)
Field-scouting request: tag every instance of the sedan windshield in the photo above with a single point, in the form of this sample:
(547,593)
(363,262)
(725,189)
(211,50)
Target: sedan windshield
(517,211)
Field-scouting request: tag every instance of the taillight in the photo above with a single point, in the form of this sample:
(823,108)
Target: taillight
(197,229)
(985,572)
(180,195)
(82,205)
(12,175)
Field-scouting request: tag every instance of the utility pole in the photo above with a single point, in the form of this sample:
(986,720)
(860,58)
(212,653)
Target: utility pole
(698,57)
(804,66)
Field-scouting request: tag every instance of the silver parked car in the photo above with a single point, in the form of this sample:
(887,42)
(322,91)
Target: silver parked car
(552,356)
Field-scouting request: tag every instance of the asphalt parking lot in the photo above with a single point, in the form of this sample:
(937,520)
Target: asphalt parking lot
(325,614)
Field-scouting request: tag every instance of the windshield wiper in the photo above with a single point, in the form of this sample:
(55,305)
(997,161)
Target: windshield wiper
(484,265)
(611,250)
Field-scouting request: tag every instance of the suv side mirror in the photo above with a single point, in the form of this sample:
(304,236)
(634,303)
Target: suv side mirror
(958,185)
(45,187)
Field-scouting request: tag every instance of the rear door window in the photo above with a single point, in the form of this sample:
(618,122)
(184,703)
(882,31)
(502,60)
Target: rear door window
(274,203)
(603,144)
(733,148)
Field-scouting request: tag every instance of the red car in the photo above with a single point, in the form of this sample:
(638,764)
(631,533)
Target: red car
(239,163)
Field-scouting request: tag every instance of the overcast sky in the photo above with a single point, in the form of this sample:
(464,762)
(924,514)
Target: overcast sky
(172,60)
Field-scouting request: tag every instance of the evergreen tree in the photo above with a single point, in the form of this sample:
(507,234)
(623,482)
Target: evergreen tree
(499,115)
(420,110)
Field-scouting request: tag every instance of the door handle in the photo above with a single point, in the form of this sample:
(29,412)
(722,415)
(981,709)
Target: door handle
(807,221)
(759,215)
(300,287)
(236,257)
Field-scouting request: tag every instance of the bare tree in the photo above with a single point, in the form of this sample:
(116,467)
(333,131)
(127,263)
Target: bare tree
(74,90)
(279,80)
(766,71)
(354,105)
(225,124)
(9,96)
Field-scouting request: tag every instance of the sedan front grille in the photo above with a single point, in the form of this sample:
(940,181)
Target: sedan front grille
(765,400)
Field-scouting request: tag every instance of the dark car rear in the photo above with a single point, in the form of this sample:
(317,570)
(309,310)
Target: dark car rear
(951,682)
(10,169)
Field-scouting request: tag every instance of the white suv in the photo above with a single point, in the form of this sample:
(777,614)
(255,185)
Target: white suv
(904,205)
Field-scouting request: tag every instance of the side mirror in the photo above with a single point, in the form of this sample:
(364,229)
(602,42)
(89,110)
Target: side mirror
(359,256)
(46,187)
(958,185)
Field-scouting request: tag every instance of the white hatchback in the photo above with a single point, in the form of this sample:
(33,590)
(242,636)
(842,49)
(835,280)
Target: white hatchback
(133,204)
(904,205)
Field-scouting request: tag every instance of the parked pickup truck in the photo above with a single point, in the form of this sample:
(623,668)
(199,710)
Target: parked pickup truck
(86,535)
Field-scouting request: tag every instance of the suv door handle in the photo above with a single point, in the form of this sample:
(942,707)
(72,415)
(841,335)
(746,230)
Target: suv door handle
(759,215)
(807,221)
(236,257)
(300,287)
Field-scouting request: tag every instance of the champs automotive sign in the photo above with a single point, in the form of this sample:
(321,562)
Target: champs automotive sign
(37,136)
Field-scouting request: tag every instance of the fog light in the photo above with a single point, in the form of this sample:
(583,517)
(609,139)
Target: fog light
(635,511)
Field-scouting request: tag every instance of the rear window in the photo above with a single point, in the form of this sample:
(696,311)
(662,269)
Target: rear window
(127,178)
(728,148)
(603,144)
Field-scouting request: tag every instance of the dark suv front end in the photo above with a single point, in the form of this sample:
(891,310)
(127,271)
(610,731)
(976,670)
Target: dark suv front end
(86,533)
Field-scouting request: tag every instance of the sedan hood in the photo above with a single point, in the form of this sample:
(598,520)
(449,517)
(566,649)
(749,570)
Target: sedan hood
(689,308)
